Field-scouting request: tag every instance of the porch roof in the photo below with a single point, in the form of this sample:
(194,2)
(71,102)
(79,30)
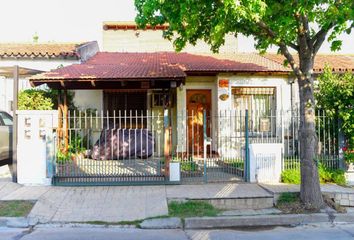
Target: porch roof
(134,67)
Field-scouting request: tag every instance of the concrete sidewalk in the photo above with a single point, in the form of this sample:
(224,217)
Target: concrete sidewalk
(129,203)
(118,203)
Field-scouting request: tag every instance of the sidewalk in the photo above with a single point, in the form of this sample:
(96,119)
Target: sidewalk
(129,203)
(118,203)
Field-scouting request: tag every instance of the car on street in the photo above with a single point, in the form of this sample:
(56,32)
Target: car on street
(5,136)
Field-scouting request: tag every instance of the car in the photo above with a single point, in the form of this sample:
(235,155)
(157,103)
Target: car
(5,136)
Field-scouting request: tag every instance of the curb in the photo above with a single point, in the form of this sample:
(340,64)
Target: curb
(265,220)
(16,222)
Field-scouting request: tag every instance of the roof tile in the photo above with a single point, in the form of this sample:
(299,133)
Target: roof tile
(57,50)
(108,65)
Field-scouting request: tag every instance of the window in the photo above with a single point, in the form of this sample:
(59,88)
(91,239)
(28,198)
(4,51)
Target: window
(255,99)
(5,119)
(261,105)
(160,99)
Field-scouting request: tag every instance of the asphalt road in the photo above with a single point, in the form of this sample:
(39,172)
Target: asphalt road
(313,232)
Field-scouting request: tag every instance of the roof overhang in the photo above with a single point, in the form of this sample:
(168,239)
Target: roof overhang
(127,83)
(23,72)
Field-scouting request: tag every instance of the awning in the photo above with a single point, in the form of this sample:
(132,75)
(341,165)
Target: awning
(23,72)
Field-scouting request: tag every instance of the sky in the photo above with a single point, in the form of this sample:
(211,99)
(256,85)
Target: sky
(81,20)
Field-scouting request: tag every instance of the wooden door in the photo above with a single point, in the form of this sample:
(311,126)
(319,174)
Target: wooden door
(198,101)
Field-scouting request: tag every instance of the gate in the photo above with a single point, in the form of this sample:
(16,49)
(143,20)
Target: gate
(221,155)
(116,148)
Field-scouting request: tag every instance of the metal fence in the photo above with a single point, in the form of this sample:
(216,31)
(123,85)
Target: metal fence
(211,147)
(115,148)
(123,147)
(327,130)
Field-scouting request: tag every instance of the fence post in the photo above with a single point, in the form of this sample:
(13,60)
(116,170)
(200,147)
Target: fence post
(205,145)
(247,154)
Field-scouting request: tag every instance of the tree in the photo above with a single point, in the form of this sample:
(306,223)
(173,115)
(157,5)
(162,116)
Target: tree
(336,96)
(300,25)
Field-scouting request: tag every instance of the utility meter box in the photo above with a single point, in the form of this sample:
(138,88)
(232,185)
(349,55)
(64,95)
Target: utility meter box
(35,146)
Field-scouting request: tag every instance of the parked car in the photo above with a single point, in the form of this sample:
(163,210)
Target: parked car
(5,136)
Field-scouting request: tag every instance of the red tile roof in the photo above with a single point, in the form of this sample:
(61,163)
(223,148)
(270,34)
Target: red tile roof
(338,63)
(254,58)
(158,65)
(39,50)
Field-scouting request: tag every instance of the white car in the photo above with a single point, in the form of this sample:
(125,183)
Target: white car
(5,136)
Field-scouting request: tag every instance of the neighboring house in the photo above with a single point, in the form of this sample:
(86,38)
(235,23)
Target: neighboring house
(37,57)
(126,37)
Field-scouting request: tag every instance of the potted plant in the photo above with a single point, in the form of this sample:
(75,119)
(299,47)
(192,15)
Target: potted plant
(349,158)
(63,162)
(348,154)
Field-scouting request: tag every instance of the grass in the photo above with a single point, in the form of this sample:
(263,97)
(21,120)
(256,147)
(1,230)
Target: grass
(15,208)
(192,209)
(136,223)
(288,197)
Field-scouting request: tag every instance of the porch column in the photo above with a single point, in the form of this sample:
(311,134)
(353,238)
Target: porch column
(167,142)
(60,120)
(65,121)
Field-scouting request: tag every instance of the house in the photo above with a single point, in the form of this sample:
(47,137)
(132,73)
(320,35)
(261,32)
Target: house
(142,106)
(193,106)
(35,58)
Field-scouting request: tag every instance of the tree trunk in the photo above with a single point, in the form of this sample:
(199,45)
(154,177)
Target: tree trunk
(310,191)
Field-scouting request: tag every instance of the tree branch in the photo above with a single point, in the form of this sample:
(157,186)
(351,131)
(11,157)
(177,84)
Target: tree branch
(320,36)
(283,48)
(294,46)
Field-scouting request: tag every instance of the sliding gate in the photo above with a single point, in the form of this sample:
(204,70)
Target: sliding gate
(120,147)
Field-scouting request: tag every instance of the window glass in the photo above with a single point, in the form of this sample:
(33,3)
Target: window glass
(6,119)
(261,105)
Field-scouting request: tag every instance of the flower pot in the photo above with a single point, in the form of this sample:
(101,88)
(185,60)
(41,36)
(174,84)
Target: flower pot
(349,175)
(175,172)
(350,167)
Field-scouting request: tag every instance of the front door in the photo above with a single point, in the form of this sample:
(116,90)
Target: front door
(198,101)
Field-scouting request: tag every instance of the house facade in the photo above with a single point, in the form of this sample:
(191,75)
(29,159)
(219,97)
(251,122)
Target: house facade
(141,107)
(35,58)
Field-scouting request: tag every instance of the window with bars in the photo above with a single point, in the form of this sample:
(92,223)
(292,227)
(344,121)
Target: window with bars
(261,105)
(255,99)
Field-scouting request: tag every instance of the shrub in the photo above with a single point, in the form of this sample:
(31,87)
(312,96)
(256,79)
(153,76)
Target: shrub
(32,99)
(326,175)
(291,176)
(38,99)
(189,166)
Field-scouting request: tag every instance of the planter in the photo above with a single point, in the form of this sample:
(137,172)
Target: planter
(349,175)
(64,169)
(175,172)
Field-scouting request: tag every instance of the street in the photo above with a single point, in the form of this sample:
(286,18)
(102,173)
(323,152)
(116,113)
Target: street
(313,232)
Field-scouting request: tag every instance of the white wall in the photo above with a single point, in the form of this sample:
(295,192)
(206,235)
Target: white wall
(280,83)
(84,99)
(152,41)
